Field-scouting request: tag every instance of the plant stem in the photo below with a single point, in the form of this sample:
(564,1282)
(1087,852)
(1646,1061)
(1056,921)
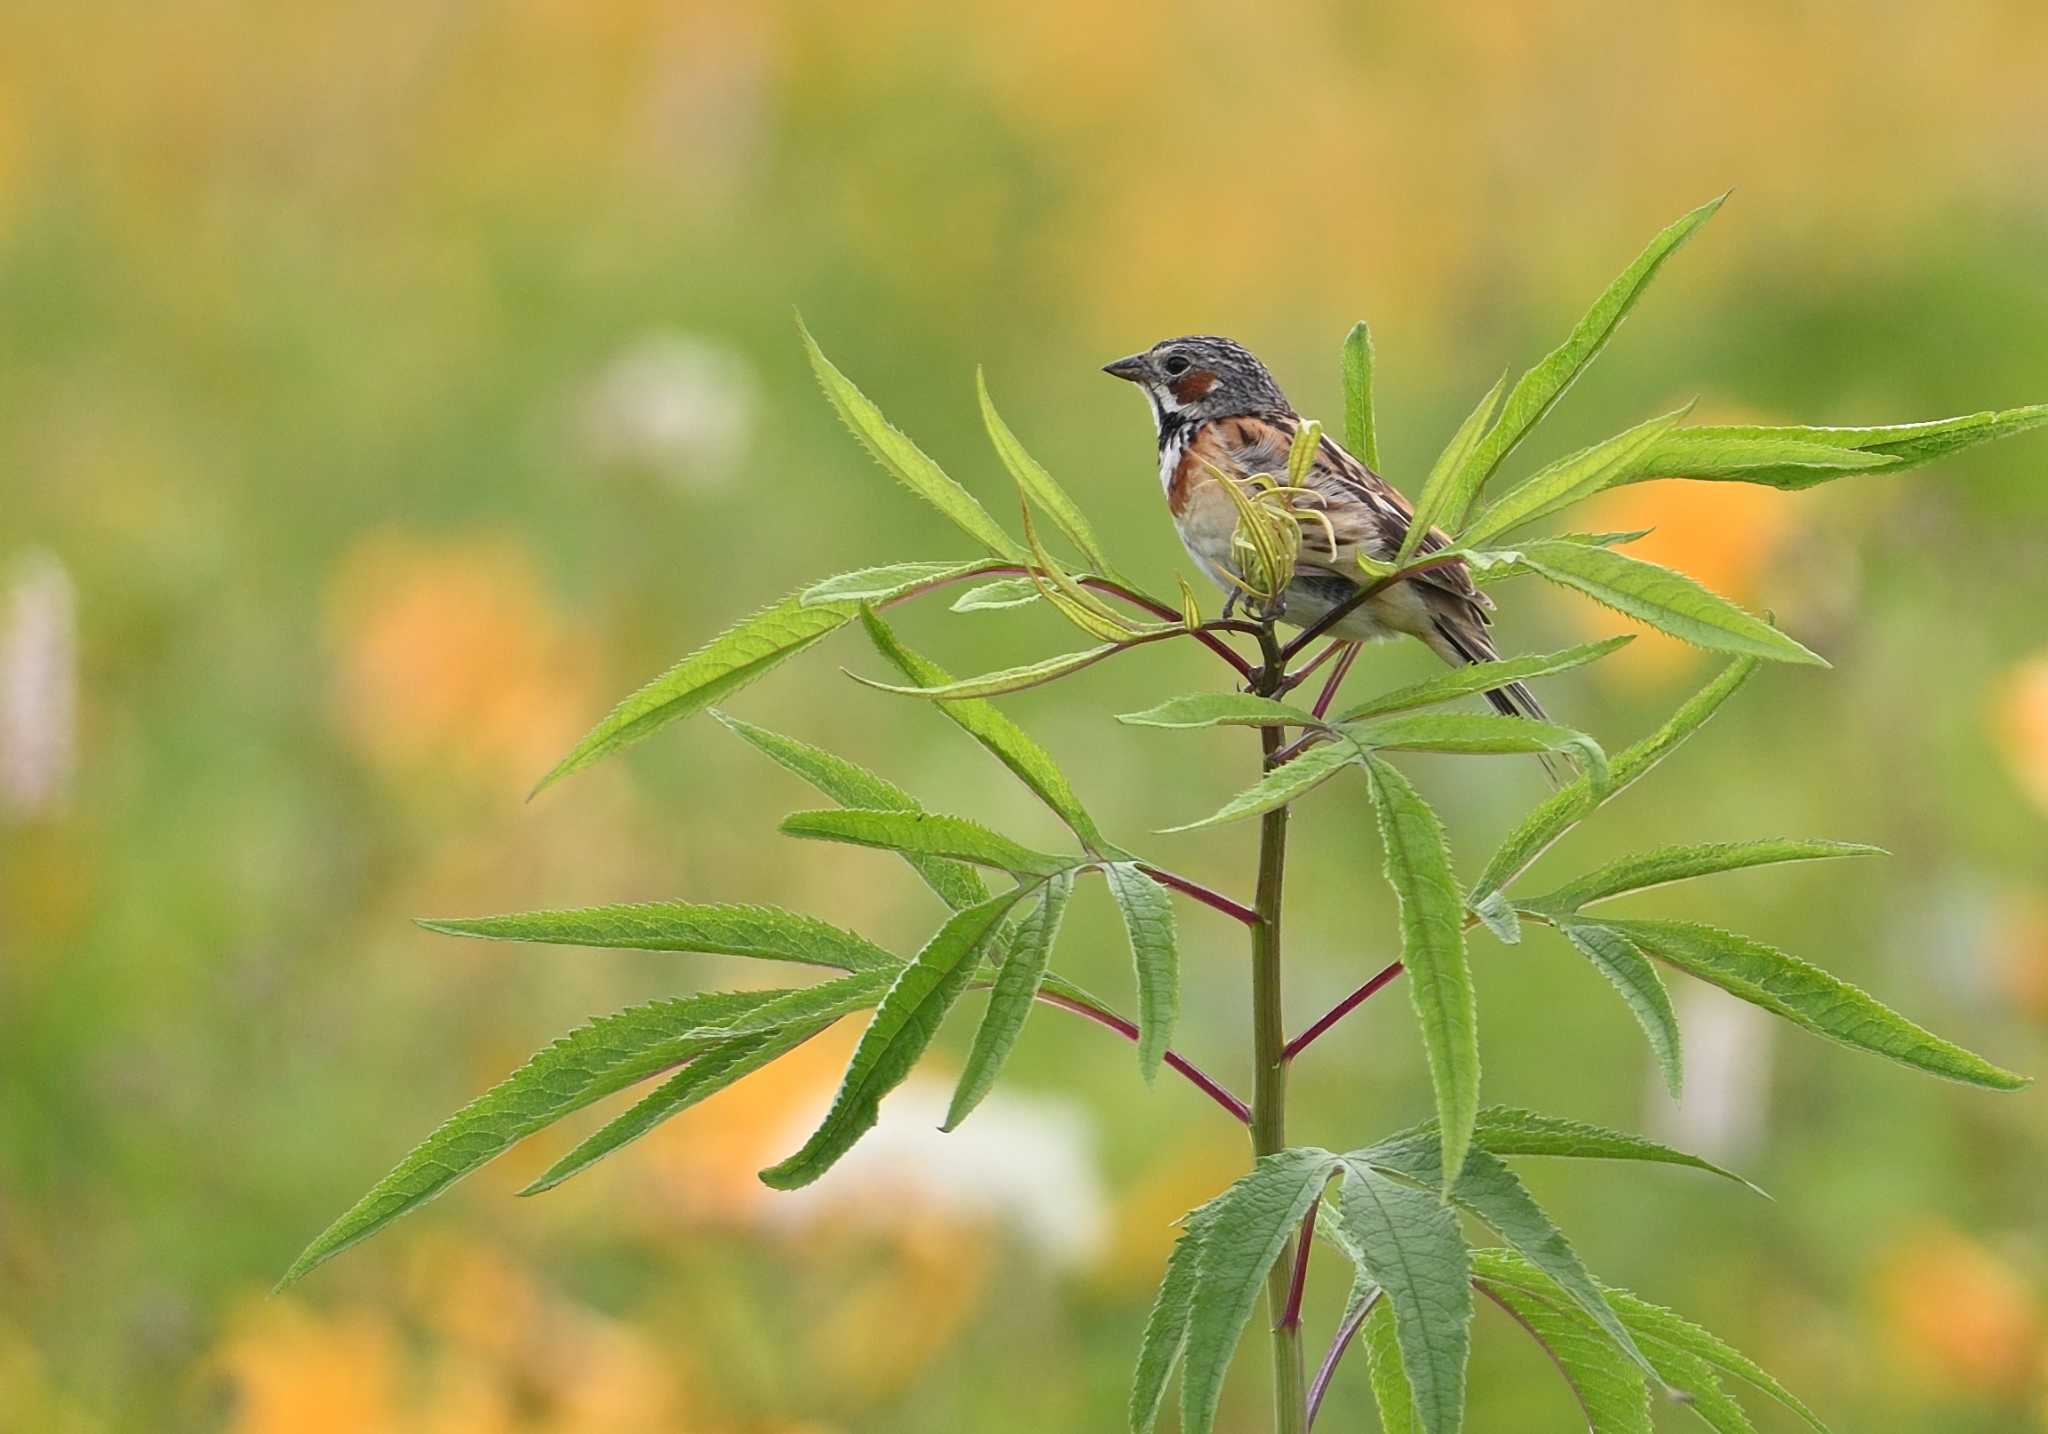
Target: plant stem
(1236,910)
(1342,1009)
(1199,1078)
(1269,1084)
(1346,1332)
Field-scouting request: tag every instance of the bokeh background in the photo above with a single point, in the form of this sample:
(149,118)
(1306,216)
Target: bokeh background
(386,387)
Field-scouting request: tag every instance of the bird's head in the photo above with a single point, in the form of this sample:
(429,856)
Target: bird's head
(1200,377)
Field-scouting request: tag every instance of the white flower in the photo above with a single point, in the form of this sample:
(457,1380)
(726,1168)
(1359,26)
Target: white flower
(1024,1161)
(38,685)
(676,404)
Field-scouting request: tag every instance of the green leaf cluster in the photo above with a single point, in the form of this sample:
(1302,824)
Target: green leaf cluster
(1395,1209)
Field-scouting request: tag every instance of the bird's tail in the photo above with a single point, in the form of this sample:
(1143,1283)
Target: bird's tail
(1460,644)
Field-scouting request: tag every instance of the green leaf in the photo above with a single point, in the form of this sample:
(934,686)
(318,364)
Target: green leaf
(1734,453)
(1537,390)
(1491,1191)
(1482,677)
(1566,808)
(1219,709)
(1411,1246)
(1011,998)
(1572,478)
(714,671)
(1418,867)
(1478,733)
(766,933)
(1244,1230)
(1808,996)
(1665,865)
(700,1078)
(902,1026)
(807,1005)
(1002,737)
(1494,565)
(1044,489)
(1281,785)
(1009,679)
(1506,1130)
(1667,600)
(1719,453)
(1499,917)
(1448,491)
(1002,593)
(1686,1356)
(1148,923)
(926,834)
(1166,1328)
(1642,990)
(1613,1395)
(1662,1330)
(883,584)
(585,1066)
(904,459)
(1390,1392)
(1361,429)
(956,883)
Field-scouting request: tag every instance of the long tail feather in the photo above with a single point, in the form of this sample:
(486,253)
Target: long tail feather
(1461,646)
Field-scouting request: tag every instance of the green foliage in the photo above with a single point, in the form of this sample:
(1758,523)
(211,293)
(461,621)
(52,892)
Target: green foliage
(1390,1391)
(1407,1242)
(594,1061)
(715,671)
(1280,786)
(1040,485)
(1669,601)
(1418,867)
(1393,1207)
(1641,989)
(889,583)
(1726,453)
(1808,996)
(1480,677)
(1569,806)
(1011,998)
(852,786)
(1650,869)
(1536,391)
(1573,478)
(1361,426)
(1218,709)
(902,1026)
(1004,739)
(1002,593)
(1148,923)
(1478,734)
(1453,481)
(906,462)
(1009,679)
(765,933)
(700,1078)
(925,834)
(1241,1234)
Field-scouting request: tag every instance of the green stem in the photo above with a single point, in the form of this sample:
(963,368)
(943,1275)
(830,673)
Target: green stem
(1269,1091)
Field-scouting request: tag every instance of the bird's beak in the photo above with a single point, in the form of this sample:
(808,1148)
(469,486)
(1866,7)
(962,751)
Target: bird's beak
(1132,368)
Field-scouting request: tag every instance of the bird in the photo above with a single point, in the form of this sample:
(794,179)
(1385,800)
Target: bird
(1221,416)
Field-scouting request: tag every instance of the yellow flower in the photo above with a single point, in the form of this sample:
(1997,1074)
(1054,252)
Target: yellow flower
(2020,715)
(293,1371)
(450,653)
(1959,1315)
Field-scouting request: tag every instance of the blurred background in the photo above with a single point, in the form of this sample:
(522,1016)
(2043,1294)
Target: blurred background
(386,388)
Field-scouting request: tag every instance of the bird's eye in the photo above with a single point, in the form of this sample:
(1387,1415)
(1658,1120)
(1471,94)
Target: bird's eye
(1177,365)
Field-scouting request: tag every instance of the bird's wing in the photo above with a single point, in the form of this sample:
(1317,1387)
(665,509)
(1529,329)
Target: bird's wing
(1366,514)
